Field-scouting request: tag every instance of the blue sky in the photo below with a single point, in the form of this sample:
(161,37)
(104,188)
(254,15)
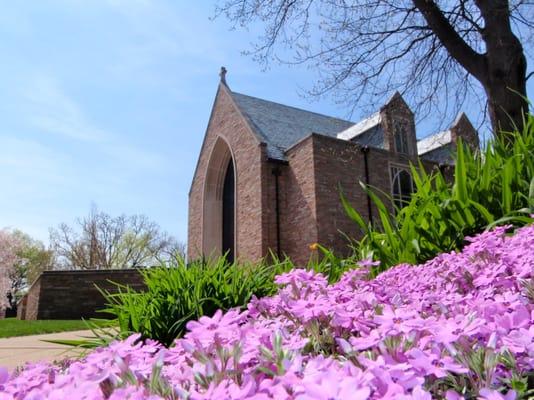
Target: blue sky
(107,101)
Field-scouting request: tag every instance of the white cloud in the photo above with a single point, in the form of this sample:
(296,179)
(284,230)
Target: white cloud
(51,110)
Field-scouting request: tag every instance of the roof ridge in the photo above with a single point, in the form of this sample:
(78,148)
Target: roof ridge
(295,108)
(430,135)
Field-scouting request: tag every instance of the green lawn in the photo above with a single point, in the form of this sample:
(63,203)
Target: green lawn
(11,327)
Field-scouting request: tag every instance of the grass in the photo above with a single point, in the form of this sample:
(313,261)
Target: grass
(12,327)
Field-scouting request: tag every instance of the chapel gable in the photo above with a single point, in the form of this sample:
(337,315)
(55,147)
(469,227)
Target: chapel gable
(268,175)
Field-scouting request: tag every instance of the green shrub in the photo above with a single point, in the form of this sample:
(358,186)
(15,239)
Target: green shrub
(180,293)
(327,263)
(492,187)
(177,294)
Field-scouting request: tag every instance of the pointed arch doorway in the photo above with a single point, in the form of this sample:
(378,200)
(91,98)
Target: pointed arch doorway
(218,235)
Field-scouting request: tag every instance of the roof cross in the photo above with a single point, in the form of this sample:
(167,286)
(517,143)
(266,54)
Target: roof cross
(222,74)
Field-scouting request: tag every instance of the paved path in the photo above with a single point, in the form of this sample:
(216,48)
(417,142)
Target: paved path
(17,351)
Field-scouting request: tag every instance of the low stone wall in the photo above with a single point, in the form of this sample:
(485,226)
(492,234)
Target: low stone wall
(74,294)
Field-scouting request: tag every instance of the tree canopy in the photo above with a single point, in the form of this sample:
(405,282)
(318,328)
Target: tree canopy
(22,259)
(101,241)
(436,53)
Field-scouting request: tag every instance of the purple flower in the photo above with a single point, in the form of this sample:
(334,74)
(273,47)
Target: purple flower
(398,336)
(431,364)
(488,394)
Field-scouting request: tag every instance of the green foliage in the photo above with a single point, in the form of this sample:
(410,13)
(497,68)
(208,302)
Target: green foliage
(34,258)
(492,187)
(327,263)
(12,327)
(180,293)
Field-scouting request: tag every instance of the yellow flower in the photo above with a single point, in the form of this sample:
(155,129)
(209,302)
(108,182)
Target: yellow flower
(314,246)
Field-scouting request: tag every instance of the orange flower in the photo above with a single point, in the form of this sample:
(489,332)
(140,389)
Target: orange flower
(314,246)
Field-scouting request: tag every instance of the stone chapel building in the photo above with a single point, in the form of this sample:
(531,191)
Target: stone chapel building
(268,175)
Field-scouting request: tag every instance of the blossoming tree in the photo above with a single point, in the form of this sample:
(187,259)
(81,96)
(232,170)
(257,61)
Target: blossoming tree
(10,245)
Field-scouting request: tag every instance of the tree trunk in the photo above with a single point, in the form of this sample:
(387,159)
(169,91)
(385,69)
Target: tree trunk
(505,77)
(501,69)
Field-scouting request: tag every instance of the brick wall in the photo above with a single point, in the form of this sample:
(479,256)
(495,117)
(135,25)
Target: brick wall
(73,295)
(311,207)
(462,128)
(252,222)
(32,300)
(396,111)
(298,209)
(22,307)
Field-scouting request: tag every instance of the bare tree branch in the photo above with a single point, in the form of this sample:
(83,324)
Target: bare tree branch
(366,49)
(104,242)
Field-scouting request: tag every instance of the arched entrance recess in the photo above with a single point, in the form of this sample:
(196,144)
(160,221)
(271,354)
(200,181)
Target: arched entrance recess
(218,233)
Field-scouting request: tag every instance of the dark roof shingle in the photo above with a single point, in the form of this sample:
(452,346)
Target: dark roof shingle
(281,126)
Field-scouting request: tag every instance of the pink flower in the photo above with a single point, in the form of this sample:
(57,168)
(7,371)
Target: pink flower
(368,262)
(431,364)
(489,394)
(418,393)
(221,325)
(395,320)
(392,337)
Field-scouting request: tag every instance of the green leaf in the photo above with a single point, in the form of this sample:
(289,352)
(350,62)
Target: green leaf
(460,174)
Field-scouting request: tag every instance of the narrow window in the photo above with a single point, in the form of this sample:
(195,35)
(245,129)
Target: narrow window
(401,186)
(228,240)
(401,138)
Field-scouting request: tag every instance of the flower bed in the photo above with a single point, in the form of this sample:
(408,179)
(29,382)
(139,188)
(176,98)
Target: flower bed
(459,326)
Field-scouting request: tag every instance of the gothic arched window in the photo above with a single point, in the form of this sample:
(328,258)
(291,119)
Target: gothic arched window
(401,186)
(218,217)
(228,206)
(401,137)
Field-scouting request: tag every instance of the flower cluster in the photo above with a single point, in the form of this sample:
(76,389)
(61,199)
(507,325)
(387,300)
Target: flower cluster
(458,327)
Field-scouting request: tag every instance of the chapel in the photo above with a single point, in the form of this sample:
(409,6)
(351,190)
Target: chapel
(269,176)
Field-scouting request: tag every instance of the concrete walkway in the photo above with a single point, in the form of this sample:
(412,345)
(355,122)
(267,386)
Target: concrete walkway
(17,351)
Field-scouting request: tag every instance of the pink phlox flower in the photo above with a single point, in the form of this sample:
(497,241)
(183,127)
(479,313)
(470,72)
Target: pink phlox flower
(431,364)
(330,387)
(221,325)
(418,393)
(393,319)
(368,262)
(4,375)
(518,340)
(452,395)
(306,310)
(519,317)
(386,385)
(351,319)
(301,278)
(324,380)
(489,394)
(133,393)
(367,341)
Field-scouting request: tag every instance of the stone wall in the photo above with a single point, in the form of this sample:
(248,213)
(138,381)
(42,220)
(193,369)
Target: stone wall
(73,294)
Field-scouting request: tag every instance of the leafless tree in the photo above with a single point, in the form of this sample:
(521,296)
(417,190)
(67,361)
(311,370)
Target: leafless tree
(100,241)
(434,52)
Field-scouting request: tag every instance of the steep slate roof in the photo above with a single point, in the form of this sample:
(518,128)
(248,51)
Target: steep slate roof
(281,126)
